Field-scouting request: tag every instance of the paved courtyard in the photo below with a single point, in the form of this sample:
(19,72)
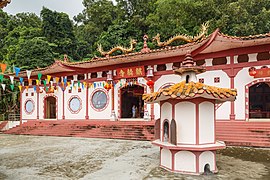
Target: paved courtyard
(32,157)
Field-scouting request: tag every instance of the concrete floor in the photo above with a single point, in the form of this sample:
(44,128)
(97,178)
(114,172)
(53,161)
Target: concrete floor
(40,157)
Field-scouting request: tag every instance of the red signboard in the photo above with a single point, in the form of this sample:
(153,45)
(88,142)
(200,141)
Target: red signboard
(264,72)
(131,72)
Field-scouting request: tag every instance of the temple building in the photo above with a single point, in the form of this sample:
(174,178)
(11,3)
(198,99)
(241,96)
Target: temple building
(111,87)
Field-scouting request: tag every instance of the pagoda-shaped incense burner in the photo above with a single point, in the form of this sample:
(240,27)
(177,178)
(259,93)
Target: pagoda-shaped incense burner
(187,122)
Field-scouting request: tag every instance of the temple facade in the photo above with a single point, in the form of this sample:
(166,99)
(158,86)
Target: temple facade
(111,87)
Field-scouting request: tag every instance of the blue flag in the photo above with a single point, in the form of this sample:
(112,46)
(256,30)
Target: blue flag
(21,79)
(17,70)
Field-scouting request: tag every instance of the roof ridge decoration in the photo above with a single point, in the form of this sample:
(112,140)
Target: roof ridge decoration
(183,37)
(121,48)
(3,3)
(257,36)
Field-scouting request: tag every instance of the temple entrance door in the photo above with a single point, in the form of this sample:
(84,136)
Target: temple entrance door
(132,105)
(50,108)
(259,101)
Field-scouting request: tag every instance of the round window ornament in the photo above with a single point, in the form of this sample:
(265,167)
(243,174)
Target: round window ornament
(75,104)
(29,106)
(99,100)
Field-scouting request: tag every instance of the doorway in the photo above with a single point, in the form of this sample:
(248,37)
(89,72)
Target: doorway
(132,105)
(50,107)
(259,101)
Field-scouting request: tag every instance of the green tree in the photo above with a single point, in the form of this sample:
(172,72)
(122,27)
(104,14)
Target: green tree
(34,53)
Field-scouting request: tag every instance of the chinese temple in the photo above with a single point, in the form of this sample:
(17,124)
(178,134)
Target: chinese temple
(110,88)
(187,121)
(3,3)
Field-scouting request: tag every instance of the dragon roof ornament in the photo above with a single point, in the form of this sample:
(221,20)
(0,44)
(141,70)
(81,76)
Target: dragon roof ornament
(120,48)
(3,3)
(184,37)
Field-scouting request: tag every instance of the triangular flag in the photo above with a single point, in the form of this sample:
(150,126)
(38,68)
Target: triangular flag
(17,70)
(20,87)
(1,77)
(56,80)
(79,84)
(82,86)
(65,81)
(72,82)
(3,86)
(37,81)
(85,84)
(27,87)
(35,88)
(3,67)
(28,72)
(39,76)
(49,78)
(12,87)
(11,79)
(30,81)
(21,80)
(68,83)
(44,82)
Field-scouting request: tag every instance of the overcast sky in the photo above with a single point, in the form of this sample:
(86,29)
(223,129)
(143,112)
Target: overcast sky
(71,7)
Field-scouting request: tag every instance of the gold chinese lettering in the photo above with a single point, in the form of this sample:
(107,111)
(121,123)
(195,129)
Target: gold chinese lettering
(122,73)
(130,72)
(138,71)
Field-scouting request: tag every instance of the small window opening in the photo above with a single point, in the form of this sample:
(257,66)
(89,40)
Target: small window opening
(187,79)
(166,131)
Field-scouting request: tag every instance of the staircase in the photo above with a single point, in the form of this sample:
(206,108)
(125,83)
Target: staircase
(235,133)
(2,124)
(135,130)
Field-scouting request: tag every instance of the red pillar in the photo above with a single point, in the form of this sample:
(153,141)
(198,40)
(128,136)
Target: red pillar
(63,102)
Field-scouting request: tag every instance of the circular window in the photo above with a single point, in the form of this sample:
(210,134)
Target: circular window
(99,100)
(75,104)
(29,106)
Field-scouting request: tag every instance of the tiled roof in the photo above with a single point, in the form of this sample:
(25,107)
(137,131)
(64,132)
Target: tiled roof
(191,90)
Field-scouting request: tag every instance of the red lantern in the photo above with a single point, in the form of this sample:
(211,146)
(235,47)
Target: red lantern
(108,86)
(252,73)
(150,83)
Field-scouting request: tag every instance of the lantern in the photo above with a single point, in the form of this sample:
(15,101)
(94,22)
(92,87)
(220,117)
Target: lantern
(150,83)
(252,73)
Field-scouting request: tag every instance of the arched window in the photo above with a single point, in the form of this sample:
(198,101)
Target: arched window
(187,79)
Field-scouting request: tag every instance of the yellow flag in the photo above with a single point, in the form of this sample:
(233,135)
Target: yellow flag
(85,84)
(27,87)
(49,78)
(68,83)
(30,81)
(37,81)
(20,87)
(57,80)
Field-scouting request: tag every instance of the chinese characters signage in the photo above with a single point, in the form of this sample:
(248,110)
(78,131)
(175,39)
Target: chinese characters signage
(131,72)
(264,72)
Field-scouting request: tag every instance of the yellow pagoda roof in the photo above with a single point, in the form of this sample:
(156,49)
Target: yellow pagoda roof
(191,90)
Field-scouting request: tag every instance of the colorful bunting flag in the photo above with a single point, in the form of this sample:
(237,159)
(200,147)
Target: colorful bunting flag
(11,79)
(17,70)
(30,81)
(56,80)
(39,76)
(3,68)
(44,82)
(65,81)
(49,78)
(28,72)
(79,84)
(27,87)
(3,86)
(12,87)
(21,80)
(1,77)
(35,88)
(20,88)
(37,81)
